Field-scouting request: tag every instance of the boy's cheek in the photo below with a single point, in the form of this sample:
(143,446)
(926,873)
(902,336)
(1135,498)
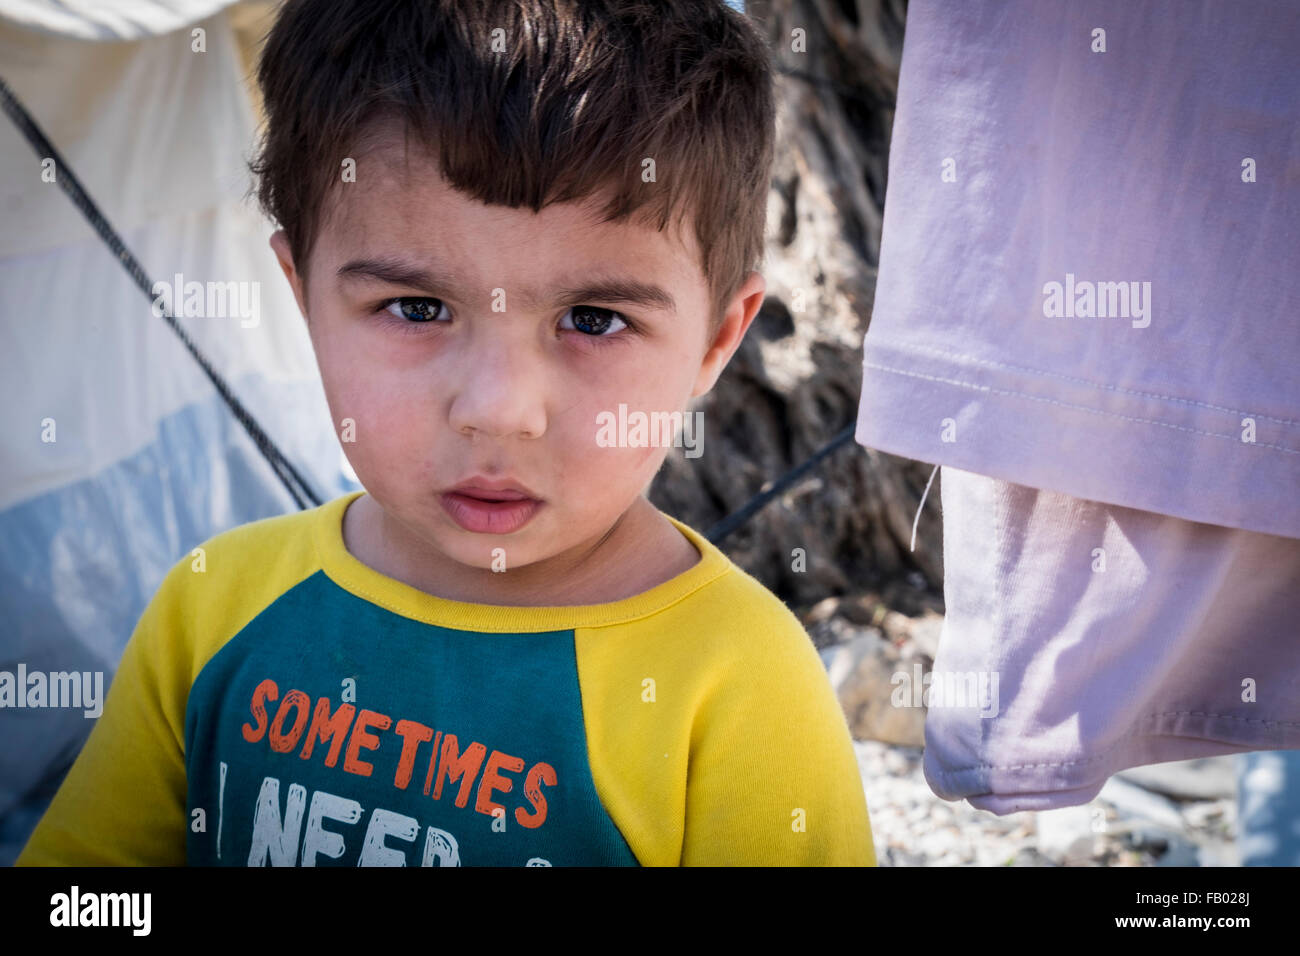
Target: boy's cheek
(609,465)
(377,438)
(645,457)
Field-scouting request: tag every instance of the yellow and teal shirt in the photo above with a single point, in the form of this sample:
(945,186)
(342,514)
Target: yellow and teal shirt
(280,703)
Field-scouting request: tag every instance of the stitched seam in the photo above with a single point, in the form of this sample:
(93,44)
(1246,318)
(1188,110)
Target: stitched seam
(1110,388)
(1081,408)
(320,533)
(364,592)
(1111,749)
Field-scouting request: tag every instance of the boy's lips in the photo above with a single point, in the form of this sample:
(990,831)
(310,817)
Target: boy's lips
(488,490)
(490,507)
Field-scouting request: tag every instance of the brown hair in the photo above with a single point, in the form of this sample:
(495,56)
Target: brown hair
(565,101)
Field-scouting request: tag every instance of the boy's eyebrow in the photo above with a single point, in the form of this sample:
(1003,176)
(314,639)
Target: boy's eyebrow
(619,289)
(612,289)
(392,271)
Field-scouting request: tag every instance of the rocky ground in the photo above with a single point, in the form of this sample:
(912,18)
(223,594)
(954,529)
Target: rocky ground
(1171,814)
(1174,814)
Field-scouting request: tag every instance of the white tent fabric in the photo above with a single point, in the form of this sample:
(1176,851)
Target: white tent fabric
(146,460)
(108,19)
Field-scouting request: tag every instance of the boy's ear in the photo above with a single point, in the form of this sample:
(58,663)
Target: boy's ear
(735,323)
(280,245)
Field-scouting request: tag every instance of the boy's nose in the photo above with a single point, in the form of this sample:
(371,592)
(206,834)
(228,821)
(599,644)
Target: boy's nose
(499,391)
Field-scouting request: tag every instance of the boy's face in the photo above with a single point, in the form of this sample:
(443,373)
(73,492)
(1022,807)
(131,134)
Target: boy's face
(507,376)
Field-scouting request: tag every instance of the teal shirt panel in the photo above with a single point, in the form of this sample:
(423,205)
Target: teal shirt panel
(502,714)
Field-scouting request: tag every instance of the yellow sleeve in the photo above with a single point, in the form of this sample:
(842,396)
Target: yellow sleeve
(123,801)
(773,778)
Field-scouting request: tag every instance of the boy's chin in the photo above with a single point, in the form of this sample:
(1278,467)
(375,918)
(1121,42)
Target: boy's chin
(496,554)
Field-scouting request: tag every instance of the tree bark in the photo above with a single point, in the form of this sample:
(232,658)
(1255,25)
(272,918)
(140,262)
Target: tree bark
(795,381)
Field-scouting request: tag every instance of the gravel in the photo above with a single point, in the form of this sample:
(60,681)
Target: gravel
(1126,825)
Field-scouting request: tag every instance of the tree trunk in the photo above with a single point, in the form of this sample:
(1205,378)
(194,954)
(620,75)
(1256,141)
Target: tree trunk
(795,380)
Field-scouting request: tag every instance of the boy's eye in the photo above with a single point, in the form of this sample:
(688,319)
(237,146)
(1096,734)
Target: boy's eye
(588,319)
(413,308)
(592,320)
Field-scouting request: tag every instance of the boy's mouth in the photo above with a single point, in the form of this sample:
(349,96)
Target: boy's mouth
(480,507)
(491,495)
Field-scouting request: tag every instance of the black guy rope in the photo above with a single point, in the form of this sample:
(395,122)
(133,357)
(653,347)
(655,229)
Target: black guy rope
(741,515)
(297,486)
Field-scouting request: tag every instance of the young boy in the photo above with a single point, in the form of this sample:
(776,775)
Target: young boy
(500,653)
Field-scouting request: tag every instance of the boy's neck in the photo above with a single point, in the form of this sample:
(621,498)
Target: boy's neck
(640,551)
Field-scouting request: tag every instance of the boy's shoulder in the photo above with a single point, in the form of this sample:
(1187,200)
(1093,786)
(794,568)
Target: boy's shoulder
(716,711)
(735,616)
(750,599)
(276,533)
(253,555)
(227,580)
